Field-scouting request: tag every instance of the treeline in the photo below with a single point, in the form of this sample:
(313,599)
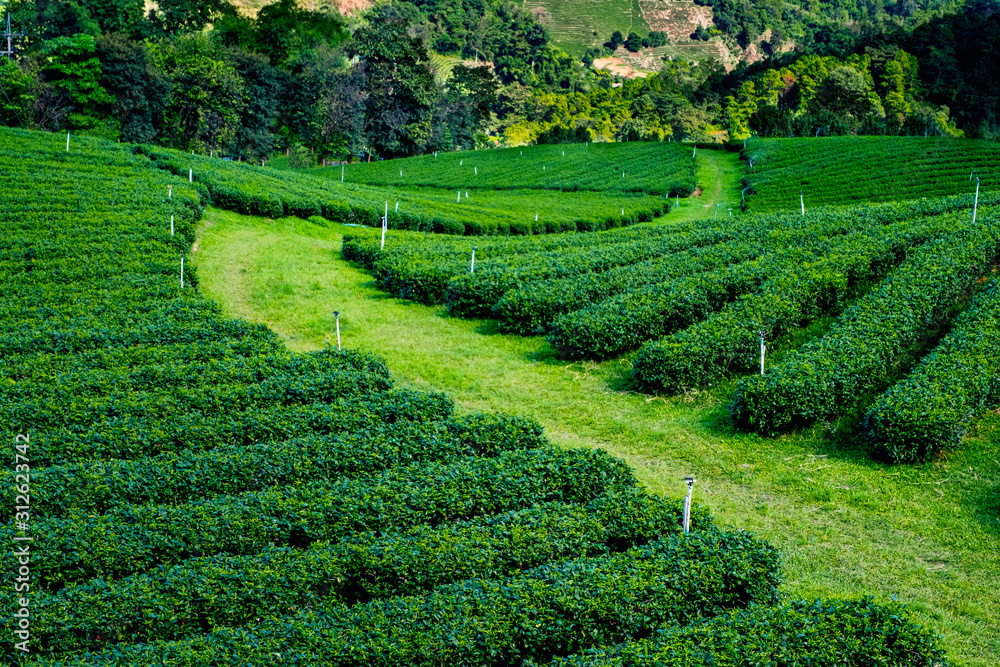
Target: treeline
(432,75)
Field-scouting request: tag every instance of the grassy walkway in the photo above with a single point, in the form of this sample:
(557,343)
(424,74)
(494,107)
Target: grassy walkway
(928,535)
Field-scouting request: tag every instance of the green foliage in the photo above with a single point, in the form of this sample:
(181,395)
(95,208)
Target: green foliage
(728,342)
(929,410)
(135,538)
(867,344)
(230,590)
(824,632)
(544,612)
(651,168)
(849,170)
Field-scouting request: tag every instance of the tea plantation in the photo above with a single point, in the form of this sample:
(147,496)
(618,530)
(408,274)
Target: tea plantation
(196,494)
(838,171)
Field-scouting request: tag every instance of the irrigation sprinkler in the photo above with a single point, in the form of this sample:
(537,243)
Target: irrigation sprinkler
(171,225)
(975,204)
(472,266)
(762,348)
(336,316)
(743,194)
(716,211)
(687,504)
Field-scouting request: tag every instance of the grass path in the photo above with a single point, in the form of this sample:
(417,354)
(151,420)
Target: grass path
(928,535)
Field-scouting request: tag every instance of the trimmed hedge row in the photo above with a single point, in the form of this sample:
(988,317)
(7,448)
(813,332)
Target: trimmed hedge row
(552,610)
(930,408)
(132,438)
(531,309)
(135,538)
(626,321)
(159,405)
(222,590)
(95,487)
(728,341)
(475,294)
(253,190)
(424,272)
(864,348)
(821,633)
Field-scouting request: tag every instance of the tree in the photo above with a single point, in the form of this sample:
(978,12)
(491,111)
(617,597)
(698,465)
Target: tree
(617,39)
(206,102)
(140,90)
(633,43)
(71,68)
(400,85)
(172,17)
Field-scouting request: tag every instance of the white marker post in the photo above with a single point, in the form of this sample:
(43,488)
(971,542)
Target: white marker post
(477,170)
(730,213)
(472,267)
(975,204)
(67,142)
(385,224)
(762,348)
(536,217)
(466,194)
(171,225)
(694,152)
(336,315)
(190,175)
(687,504)
(400,173)
(460,163)
(397,207)
(802,203)
(182,270)
(459,200)
(341,173)
(677,204)
(170,192)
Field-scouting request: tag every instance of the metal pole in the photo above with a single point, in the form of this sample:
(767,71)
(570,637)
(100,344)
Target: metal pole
(687,504)
(472,267)
(336,314)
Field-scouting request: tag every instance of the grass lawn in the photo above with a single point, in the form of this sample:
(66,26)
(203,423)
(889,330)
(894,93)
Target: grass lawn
(847,526)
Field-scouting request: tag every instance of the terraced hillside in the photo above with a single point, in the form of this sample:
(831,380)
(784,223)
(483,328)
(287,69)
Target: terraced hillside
(193,493)
(701,299)
(847,170)
(533,209)
(657,168)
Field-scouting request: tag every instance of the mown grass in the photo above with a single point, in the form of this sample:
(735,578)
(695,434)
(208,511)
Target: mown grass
(847,525)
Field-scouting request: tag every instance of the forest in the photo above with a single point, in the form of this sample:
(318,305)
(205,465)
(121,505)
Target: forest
(410,78)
